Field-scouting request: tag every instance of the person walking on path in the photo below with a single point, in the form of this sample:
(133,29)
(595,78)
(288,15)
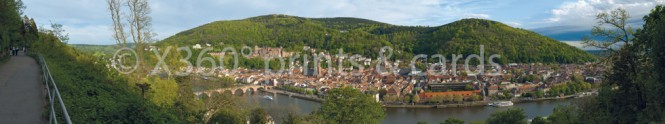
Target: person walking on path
(15,51)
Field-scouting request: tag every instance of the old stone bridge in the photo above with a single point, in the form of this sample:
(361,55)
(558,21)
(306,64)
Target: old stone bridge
(234,90)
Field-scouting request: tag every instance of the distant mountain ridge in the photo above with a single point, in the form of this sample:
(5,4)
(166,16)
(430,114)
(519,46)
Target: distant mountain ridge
(366,37)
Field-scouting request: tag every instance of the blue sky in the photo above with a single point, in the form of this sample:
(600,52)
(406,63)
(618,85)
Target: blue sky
(89,22)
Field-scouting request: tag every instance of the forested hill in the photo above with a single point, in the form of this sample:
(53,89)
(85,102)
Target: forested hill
(366,37)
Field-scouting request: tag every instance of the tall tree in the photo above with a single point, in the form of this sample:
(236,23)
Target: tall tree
(140,27)
(651,42)
(510,116)
(59,32)
(633,83)
(350,106)
(118,25)
(452,120)
(620,34)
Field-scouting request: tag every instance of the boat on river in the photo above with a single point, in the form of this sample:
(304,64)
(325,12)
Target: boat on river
(501,103)
(267,97)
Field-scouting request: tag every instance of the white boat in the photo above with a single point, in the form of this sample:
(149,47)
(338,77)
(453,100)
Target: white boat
(267,97)
(501,103)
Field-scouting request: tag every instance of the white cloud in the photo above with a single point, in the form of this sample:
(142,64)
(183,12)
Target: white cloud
(579,45)
(89,34)
(514,24)
(481,16)
(582,13)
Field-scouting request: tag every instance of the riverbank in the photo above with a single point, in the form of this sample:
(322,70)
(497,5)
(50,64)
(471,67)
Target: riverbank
(465,104)
(296,95)
(314,98)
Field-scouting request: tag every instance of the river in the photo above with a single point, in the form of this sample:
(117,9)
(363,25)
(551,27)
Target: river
(282,104)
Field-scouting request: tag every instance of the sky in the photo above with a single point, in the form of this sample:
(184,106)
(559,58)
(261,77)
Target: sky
(89,21)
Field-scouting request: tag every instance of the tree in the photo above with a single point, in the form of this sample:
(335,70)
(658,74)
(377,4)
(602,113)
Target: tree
(161,91)
(653,44)
(390,98)
(476,97)
(632,80)
(452,120)
(507,94)
(448,98)
(226,116)
(118,26)
(621,33)
(347,105)
(437,99)
(458,98)
(510,116)
(139,26)
(59,32)
(563,115)
(539,94)
(258,116)
(539,120)
(416,98)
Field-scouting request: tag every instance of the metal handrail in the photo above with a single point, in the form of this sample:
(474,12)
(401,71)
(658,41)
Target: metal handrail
(48,82)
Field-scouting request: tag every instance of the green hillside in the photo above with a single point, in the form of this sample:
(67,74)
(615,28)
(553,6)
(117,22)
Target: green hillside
(366,37)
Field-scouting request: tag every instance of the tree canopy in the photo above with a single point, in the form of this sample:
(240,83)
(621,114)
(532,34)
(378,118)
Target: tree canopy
(366,37)
(350,106)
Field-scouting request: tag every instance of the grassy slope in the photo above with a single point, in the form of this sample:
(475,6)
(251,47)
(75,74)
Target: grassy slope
(94,94)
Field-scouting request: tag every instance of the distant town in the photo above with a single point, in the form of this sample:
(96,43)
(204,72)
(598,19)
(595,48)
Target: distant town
(512,81)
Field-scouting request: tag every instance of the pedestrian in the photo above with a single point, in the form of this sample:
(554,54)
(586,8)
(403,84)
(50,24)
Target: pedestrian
(12,49)
(15,51)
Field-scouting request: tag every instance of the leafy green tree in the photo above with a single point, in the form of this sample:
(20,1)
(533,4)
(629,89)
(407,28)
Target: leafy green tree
(564,115)
(448,98)
(162,91)
(437,99)
(347,105)
(416,98)
(458,98)
(258,116)
(476,97)
(226,116)
(539,120)
(59,32)
(510,116)
(539,94)
(652,40)
(452,120)
(632,80)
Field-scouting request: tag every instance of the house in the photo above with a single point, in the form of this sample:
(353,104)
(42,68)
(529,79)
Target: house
(493,89)
(465,94)
(447,87)
(393,91)
(197,46)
